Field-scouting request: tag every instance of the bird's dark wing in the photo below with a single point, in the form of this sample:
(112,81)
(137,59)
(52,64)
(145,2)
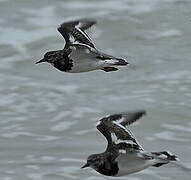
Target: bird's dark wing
(74,31)
(113,128)
(128,118)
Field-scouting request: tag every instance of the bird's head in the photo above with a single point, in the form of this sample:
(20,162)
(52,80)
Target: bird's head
(94,161)
(49,57)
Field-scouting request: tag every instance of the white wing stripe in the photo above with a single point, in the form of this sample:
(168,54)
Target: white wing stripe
(120,120)
(84,34)
(135,139)
(129,132)
(117,140)
(77,43)
(115,122)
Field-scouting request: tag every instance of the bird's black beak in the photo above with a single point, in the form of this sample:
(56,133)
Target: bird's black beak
(86,165)
(42,60)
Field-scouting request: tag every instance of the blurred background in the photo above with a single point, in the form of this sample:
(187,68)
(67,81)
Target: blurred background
(47,117)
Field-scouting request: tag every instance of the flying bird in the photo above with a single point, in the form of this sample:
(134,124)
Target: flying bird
(124,155)
(79,53)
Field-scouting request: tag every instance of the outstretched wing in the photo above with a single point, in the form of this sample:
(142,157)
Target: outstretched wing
(113,128)
(126,119)
(74,31)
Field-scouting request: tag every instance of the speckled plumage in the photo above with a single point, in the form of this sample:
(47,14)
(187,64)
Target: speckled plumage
(79,53)
(124,155)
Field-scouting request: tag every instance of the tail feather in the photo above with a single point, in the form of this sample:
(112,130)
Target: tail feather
(165,157)
(170,156)
(121,62)
(117,62)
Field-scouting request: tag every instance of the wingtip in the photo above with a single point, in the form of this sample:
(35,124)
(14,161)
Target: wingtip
(140,112)
(90,22)
(132,116)
(143,112)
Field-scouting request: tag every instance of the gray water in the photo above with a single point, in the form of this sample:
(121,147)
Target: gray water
(47,118)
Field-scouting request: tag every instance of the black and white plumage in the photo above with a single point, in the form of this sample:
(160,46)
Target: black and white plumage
(79,53)
(124,155)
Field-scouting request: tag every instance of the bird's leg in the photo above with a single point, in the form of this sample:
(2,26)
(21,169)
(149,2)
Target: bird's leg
(108,69)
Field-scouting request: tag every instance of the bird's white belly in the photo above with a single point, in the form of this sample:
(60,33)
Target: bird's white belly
(86,65)
(131,163)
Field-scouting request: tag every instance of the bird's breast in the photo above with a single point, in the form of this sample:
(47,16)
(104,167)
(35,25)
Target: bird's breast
(64,64)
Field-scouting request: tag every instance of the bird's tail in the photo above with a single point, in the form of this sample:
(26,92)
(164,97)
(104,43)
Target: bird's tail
(164,157)
(117,62)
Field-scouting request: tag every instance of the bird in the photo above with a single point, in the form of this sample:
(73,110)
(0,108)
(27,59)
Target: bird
(79,53)
(124,155)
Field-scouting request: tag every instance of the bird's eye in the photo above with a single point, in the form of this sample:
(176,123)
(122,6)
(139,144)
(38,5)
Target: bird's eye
(92,160)
(48,54)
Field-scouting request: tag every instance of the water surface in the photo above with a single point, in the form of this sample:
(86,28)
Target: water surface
(47,124)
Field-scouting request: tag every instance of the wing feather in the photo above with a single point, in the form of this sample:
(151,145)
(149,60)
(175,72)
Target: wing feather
(114,130)
(74,31)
